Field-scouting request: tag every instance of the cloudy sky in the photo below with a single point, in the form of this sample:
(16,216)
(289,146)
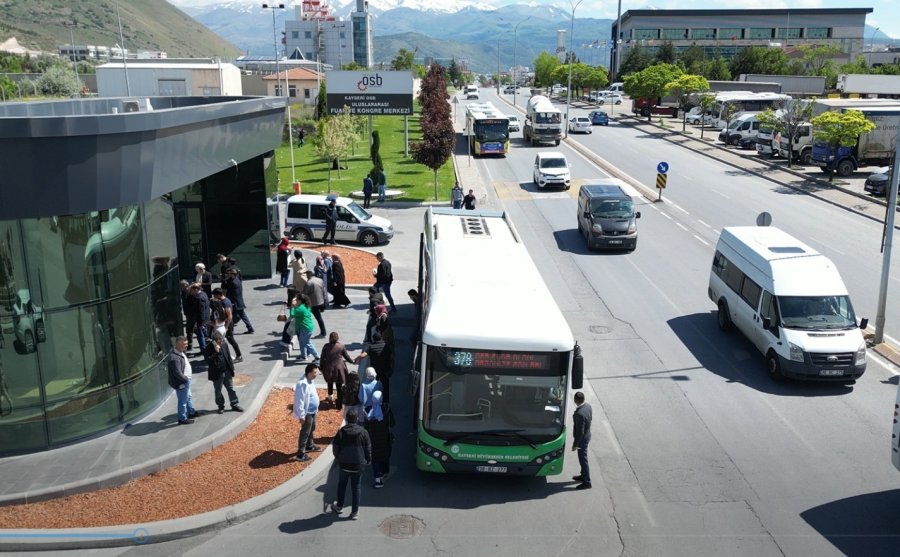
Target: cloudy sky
(886,16)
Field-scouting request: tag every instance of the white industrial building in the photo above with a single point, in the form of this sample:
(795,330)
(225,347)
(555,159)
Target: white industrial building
(322,37)
(168,77)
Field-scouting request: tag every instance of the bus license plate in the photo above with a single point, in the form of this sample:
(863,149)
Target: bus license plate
(831,372)
(494,469)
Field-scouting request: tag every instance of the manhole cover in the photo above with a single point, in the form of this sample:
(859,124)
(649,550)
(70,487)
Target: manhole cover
(600,329)
(241,379)
(402,526)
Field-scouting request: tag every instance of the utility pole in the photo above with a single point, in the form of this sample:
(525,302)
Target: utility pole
(888,245)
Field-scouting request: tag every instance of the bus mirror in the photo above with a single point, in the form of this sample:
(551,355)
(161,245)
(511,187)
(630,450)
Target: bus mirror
(578,369)
(864,324)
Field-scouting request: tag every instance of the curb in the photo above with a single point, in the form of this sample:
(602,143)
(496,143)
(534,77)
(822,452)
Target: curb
(166,530)
(189,452)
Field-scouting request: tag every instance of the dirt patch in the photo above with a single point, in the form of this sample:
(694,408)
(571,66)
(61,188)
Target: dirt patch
(257,460)
(358,264)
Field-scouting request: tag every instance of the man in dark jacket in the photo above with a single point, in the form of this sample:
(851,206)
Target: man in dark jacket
(581,432)
(384,277)
(331,217)
(352,450)
(201,314)
(234,290)
(221,372)
(180,379)
(381,357)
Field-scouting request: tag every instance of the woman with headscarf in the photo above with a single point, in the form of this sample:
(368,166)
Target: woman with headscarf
(298,266)
(379,420)
(320,270)
(334,360)
(281,261)
(338,283)
(367,388)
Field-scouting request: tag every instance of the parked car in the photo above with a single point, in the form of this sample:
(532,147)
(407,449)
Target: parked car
(599,118)
(610,97)
(879,181)
(28,322)
(509,89)
(514,125)
(579,124)
(695,115)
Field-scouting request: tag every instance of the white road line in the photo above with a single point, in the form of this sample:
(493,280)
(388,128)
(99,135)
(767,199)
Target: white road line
(665,215)
(681,226)
(704,242)
(703,223)
(679,208)
(891,368)
(720,193)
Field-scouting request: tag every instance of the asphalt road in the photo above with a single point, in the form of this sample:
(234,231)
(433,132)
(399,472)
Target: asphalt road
(695,450)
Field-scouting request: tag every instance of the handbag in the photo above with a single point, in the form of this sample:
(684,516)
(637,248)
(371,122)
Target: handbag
(281,315)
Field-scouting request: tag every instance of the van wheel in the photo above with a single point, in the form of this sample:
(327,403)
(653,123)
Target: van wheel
(368,238)
(845,168)
(301,234)
(773,367)
(723,319)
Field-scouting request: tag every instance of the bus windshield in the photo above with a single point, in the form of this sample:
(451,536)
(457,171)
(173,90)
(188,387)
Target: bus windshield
(495,397)
(816,312)
(498,131)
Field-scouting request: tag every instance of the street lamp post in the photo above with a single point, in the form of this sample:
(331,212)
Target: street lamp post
(872,42)
(124,53)
(571,51)
(280,91)
(71,26)
(498,66)
(515,76)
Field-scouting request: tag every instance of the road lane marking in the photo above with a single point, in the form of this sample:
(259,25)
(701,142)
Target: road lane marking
(704,242)
(891,368)
(703,223)
(681,226)
(720,193)
(665,215)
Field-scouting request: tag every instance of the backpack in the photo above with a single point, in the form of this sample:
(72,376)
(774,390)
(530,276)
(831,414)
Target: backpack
(351,389)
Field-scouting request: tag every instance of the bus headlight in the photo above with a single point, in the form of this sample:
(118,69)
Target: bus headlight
(860,358)
(545,458)
(796,352)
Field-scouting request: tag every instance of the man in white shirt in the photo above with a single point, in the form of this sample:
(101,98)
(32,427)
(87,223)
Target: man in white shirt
(180,380)
(306,405)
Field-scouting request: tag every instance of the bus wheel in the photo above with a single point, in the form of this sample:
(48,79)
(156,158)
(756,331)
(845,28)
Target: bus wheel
(773,367)
(722,318)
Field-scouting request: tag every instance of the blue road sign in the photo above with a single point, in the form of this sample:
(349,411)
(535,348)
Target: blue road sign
(662,167)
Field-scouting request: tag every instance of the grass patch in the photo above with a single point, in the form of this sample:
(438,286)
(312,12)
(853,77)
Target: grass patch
(415,180)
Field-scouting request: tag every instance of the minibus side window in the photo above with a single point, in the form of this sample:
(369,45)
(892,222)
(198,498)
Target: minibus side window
(318,212)
(750,292)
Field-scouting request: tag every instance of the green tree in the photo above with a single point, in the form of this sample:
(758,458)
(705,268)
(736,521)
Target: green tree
(786,120)
(840,129)
(817,57)
(403,60)
(717,70)
(759,60)
(693,58)
(352,67)
(651,82)
(665,54)
(636,59)
(687,89)
(333,139)
(321,105)
(375,156)
(59,81)
(706,103)
(454,74)
(8,89)
(858,66)
(438,135)
(544,65)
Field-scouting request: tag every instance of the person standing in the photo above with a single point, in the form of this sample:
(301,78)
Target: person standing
(469,200)
(331,217)
(228,307)
(382,185)
(381,357)
(221,372)
(376,298)
(281,261)
(301,315)
(224,265)
(352,449)
(315,293)
(191,312)
(378,425)
(298,266)
(367,388)
(201,305)
(306,406)
(383,279)
(203,278)
(334,367)
(456,196)
(180,379)
(234,290)
(300,136)
(338,283)
(368,188)
(581,432)
(329,275)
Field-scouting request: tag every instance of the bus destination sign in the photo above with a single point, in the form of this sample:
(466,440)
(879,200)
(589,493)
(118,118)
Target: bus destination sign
(497,360)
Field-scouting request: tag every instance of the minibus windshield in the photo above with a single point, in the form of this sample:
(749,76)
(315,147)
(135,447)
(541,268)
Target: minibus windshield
(816,312)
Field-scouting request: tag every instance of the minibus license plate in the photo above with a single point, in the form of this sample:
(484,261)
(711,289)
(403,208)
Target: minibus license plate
(495,469)
(831,372)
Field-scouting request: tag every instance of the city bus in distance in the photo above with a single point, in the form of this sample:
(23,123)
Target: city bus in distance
(487,129)
(731,103)
(495,353)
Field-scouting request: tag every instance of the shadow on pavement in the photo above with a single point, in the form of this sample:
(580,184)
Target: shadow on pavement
(149,428)
(271,458)
(571,241)
(859,526)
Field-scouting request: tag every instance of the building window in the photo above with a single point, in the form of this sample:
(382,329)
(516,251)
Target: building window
(277,90)
(731,33)
(309,56)
(791,33)
(307,34)
(172,87)
(306,93)
(342,34)
(292,90)
(295,34)
(818,33)
(640,34)
(674,34)
(762,32)
(703,33)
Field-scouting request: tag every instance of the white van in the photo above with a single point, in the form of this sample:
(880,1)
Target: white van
(743,126)
(306,220)
(471,91)
(551,168)
(790,301)
(617,87)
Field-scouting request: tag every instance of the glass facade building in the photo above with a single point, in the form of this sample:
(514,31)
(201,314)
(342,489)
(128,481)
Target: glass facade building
(90,264)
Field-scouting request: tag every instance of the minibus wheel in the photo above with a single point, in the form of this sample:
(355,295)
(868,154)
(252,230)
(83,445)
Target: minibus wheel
(773,366)
(723,319)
